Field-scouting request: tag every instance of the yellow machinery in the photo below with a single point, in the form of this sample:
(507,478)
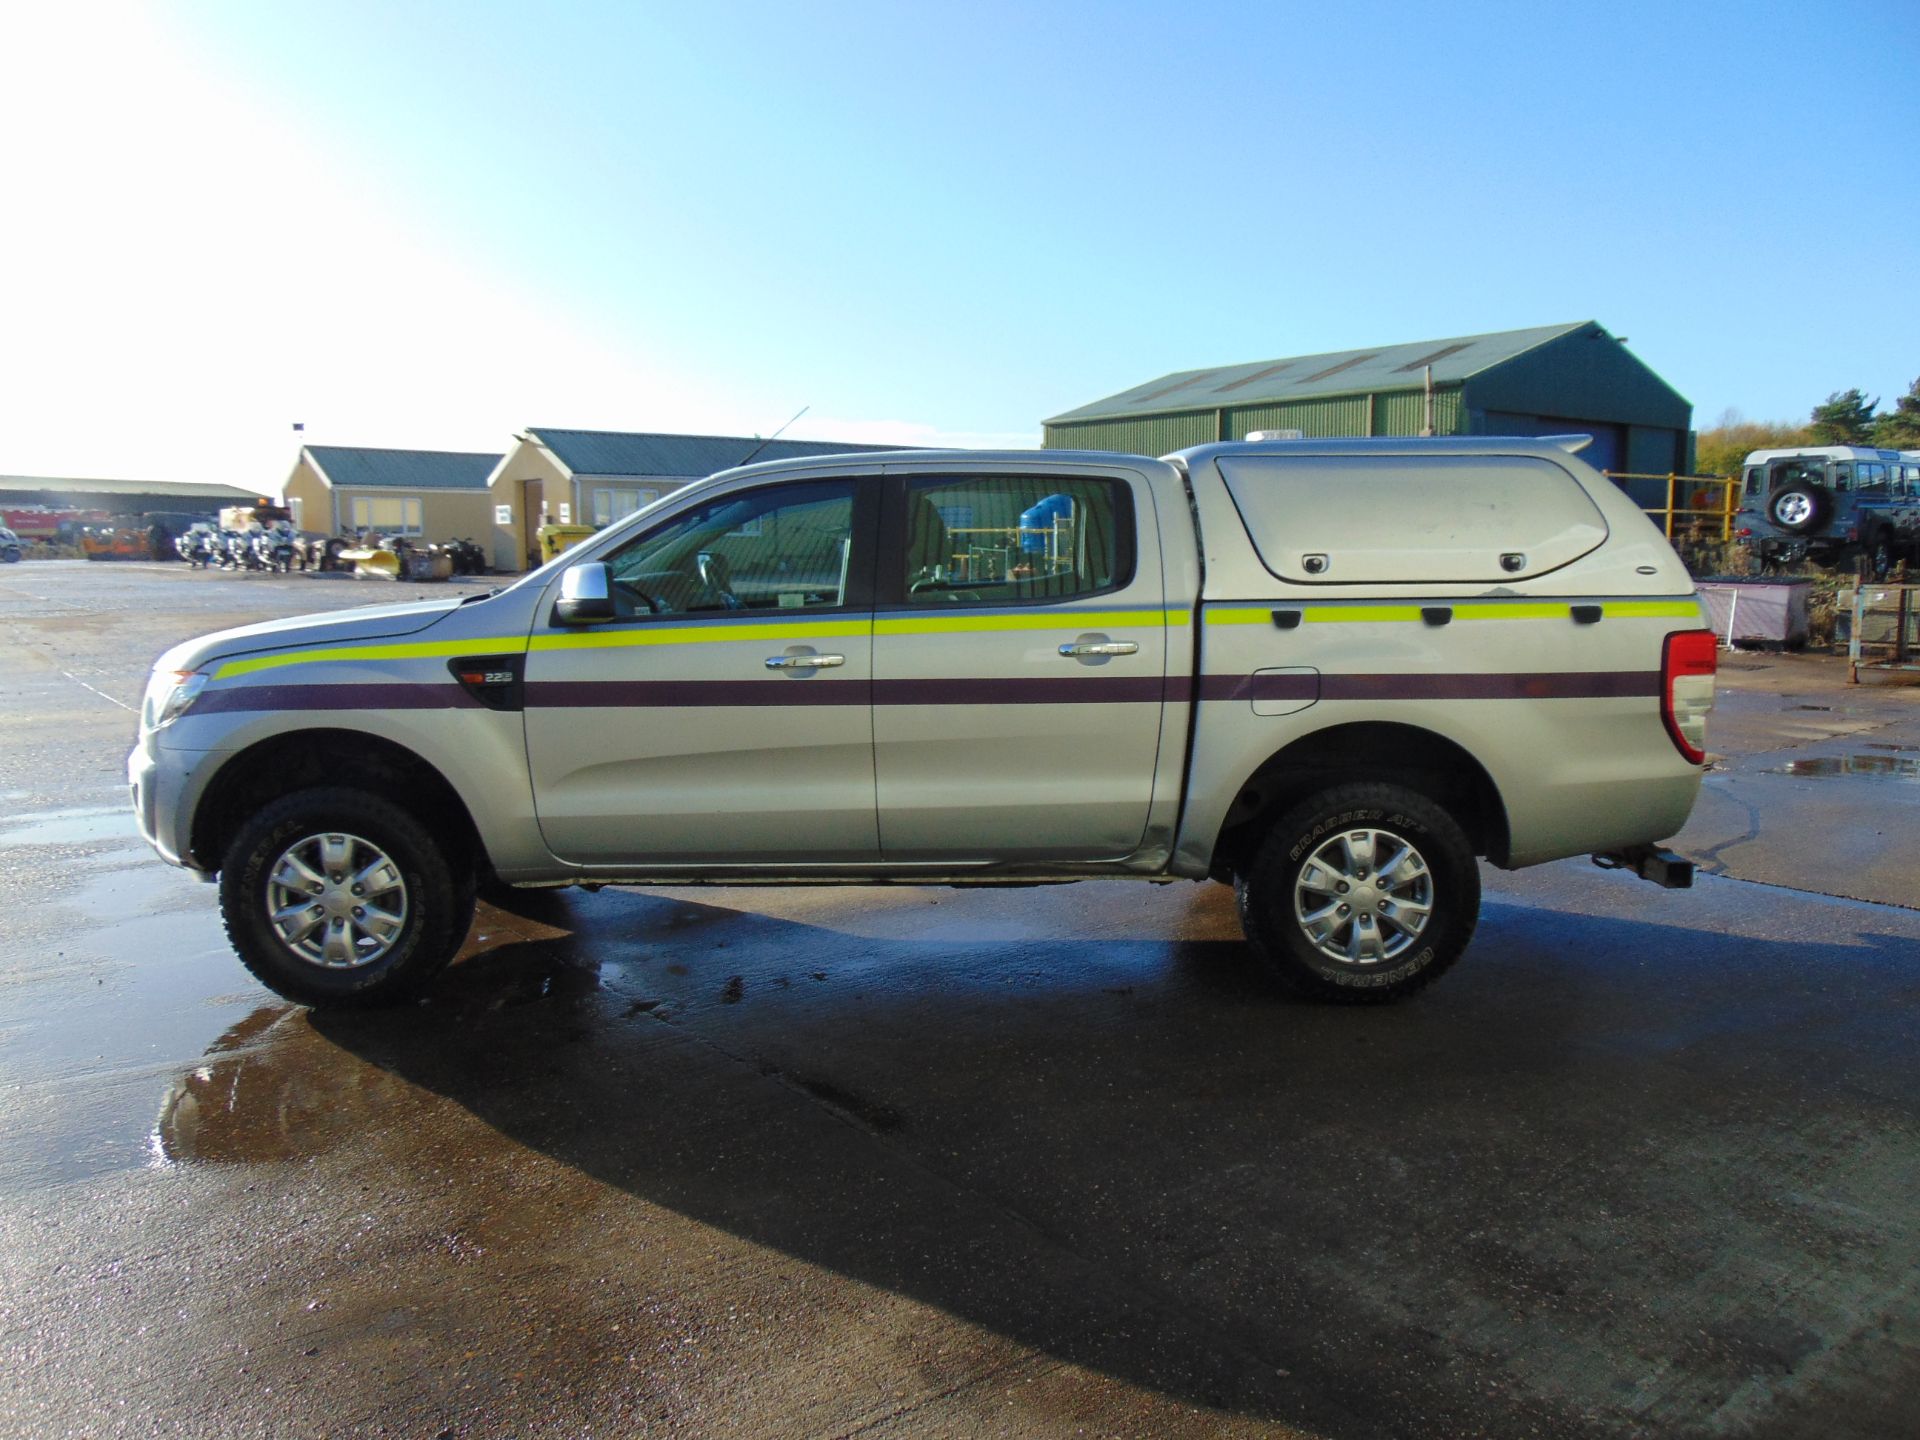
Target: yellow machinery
(553,539)
(372,561)
(385,562)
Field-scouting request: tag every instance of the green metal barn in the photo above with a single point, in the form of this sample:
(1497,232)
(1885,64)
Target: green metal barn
(1554,380)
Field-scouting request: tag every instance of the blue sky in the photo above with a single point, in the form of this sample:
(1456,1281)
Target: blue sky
(435,224)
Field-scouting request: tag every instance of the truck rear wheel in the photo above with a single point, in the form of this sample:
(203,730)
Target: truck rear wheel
(1363,892)
(334,896)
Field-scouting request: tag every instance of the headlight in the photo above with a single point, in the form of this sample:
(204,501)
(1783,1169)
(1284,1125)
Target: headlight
(169,693)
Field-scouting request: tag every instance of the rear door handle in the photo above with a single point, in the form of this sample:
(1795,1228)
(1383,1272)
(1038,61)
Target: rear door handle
(804,662)
(1102,647)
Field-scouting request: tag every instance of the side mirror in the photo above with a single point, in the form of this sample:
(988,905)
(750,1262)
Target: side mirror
(586,596)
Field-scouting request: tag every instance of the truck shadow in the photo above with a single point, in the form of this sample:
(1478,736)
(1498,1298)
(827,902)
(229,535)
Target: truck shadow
(1137,1157)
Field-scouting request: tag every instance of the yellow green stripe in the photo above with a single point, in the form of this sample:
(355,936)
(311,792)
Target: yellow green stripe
(1510,611)
(1655,609)
(1239,615)
(1462,610)
(419,650)
(731,632)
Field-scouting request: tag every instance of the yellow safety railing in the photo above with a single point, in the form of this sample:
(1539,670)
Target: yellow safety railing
(1708,511)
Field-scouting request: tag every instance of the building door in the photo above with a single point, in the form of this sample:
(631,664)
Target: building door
(725,716)
(532,517)
(1605,453)
(1019,667)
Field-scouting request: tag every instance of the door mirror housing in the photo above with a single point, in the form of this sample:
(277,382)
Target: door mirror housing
(586,595)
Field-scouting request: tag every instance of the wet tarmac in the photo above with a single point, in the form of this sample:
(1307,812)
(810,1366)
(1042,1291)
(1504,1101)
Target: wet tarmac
(1874,767)
(1042,1162)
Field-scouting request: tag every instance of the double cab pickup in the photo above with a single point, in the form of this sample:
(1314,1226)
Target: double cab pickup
(1332,673)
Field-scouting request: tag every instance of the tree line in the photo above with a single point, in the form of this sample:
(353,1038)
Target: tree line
(1846,417)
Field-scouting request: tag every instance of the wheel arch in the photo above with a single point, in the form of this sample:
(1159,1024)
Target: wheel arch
(298,759)
(1373,750)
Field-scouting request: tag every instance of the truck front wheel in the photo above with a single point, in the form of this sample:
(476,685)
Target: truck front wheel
(335,896)
(1363,892)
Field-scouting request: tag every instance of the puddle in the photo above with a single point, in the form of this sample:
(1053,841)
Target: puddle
(1879,766)
(272,1089)
(70,827)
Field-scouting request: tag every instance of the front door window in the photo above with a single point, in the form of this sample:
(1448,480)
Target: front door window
(783,548)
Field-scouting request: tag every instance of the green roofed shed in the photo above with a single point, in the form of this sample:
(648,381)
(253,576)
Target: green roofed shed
(1553,379)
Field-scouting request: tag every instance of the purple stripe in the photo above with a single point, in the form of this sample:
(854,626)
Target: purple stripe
(675,694)
(240,698)
(1558,685)
(823,690)
(1576,685)
(1260,687)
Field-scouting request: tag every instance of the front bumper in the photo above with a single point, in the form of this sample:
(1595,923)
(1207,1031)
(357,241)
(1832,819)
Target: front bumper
(157,782)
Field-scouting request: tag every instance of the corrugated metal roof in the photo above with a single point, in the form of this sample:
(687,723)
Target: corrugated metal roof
(1343,372)
(351,465)
(180,489)
(616,452)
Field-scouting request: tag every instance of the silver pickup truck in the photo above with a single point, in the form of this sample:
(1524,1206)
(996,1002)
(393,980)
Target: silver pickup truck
(1331,673)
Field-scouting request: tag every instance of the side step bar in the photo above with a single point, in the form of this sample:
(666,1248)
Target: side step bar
(1651,862)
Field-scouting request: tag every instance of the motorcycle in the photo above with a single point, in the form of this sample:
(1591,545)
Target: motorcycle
(273,548)
(236,551)
(197,546)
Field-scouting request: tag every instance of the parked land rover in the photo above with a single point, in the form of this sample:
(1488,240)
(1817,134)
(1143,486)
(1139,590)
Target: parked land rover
(1328,672)
(1830,503)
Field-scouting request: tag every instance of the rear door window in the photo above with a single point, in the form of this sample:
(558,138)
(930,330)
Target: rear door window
(1014,539)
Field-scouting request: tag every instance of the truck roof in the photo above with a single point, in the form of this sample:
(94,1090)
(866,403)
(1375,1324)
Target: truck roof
(1821,452)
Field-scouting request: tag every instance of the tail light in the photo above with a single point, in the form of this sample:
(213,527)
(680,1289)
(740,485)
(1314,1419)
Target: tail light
(1686,690)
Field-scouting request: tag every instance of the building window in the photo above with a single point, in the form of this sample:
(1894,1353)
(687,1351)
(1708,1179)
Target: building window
(612,505)
(383,515)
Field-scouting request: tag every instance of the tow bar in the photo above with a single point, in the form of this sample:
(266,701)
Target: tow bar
(1651,862)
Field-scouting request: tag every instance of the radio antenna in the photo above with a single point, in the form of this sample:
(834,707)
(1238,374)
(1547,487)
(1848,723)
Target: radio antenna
(771,438)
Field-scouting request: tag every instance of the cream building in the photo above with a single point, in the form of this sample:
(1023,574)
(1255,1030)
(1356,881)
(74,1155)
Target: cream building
(593,477)
(428,496)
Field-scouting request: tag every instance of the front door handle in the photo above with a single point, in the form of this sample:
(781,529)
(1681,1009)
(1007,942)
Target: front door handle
(1100,647)
(804,662)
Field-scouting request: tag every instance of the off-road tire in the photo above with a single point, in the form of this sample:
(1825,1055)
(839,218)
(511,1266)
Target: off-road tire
(1269,884)
(439,890)
(1817,510)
